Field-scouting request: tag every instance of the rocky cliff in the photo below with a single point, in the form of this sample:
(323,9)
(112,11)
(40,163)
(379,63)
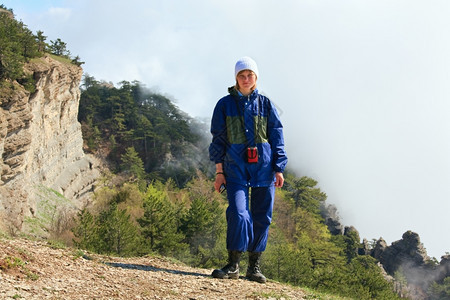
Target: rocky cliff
(41,146)
(405,262)
(409,256)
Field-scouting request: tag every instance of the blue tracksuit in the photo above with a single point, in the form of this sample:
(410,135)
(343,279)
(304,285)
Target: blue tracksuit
(239,122)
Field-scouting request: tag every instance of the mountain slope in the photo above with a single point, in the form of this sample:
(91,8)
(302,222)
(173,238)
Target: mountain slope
(33,270)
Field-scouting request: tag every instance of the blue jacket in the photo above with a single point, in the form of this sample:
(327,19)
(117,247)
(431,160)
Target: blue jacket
(242,121)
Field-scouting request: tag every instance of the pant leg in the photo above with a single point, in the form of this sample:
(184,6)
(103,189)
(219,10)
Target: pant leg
(239,221)
(261,208)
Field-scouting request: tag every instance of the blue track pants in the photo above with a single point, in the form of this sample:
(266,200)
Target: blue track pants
(248,221)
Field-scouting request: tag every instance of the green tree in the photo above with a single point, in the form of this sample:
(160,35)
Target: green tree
(305,193)
(17,46)
(28,42)
(132,163)
(352,243)
(85,231)
(116,232)
(11,52)
(41,38)
(282,261)
(159,224)
(365,280)
(89,82)
(91,134)
(58,47)
(77,61)
(204,224)
(440,291)
(145,133)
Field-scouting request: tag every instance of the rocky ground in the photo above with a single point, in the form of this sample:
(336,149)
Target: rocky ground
(35,270)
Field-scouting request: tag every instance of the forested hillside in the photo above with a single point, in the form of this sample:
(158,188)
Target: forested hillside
(19,45)
(140,131)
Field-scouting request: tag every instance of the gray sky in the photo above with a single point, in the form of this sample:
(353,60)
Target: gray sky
(362,87)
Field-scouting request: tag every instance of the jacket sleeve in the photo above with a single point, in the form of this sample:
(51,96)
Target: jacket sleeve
(276,140)
(217,148)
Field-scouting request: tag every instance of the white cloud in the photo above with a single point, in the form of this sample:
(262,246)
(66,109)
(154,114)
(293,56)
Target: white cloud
(59,14)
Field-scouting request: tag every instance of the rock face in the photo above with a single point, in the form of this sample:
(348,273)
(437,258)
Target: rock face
(410,258)
(330,215)
(407,252)
(41,145)
(405,262)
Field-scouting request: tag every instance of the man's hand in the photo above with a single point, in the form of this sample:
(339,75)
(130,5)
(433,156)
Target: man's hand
(220,179)
(279,179)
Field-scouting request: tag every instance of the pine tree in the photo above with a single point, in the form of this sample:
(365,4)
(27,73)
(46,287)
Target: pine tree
(85,231)
(40,38)
(204,223)
(440,291)
(132,163)
(116,232)
(58,47)
(159,224)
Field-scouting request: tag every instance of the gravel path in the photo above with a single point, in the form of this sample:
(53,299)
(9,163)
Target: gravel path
(34,270)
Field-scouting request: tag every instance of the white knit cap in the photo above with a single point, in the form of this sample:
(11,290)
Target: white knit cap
(246,63)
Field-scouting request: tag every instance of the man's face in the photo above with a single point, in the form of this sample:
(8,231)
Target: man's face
(246,80)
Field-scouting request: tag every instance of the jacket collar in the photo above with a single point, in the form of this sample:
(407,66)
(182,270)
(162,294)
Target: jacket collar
(237,95)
